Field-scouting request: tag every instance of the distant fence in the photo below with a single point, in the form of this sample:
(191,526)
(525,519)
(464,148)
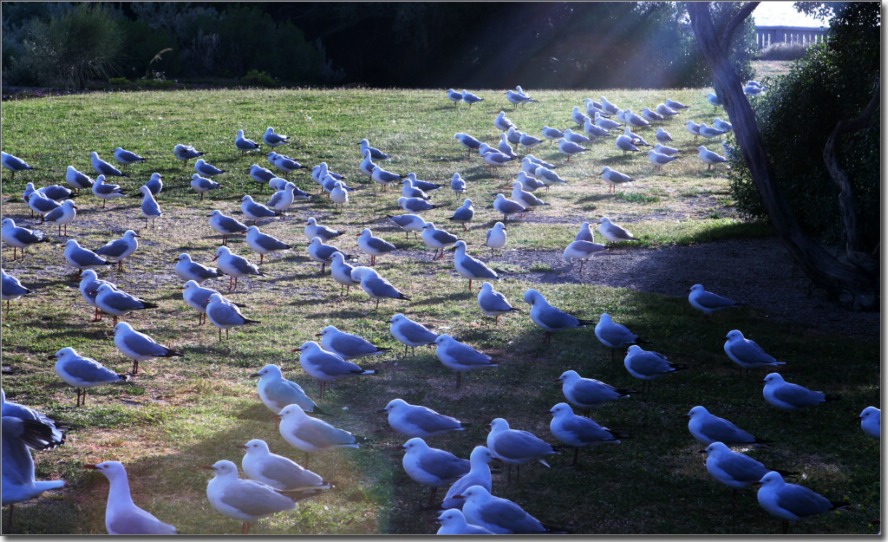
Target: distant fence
(804,35)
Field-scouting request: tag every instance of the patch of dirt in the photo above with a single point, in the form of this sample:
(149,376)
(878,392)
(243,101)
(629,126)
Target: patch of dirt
(757,272)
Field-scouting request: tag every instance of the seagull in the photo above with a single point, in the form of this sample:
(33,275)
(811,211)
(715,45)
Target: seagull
(791,502)
(503,146)
(589,393)
(581,251)
(469,267)
(410,191)
(525,198)
(11,288)
(45,434)
(155,183)
(375,153)
(244,500)
(552,134)
(463,214)
(648,365)
(225,315)
(311,434)
(320,252)
(226,225)
(454,96)
(709,157)
(198,298)
(516,447)
(624,143)
(89,286)
(733,469)
(871,422)
(106,191)
(432,466)
(665,111)
(126,157)
(339,194)
(284,163)
(570,148)
(550,318)
(517,99)
(577,116)
(138,346)
(724,126)
(496,236)
(613,232)
(13,163)
(326,366)
(150,209)
(651,116)
(501,122)
(714,99)
(419,421)
(187,269)
(186,152)
(453,522)
(203,184)
(608,106)
(118,303)
(459,356)
(585,233)
(243,144)
(693,128)
(54,192)
(408,222)
(374,246)
(669,151)
(708,428)
(415,205)
(747,353)
(479,474)
(82,258)
(467,141)
(260,174)
(674,104)
(493,303)
(470,98)
(528,181)
(709,132)
(19,237)
(498,515)
(341,272)
(255,210)
(376,286)
(122,516)
(708,302)
(279,472)
(578,431)
(663,136)
(635,120)
(346,345)
(104,168)
(409,333)
(206,169)
(119,249)
(273,139)
(496,158)
(528,140)
(425,186)
(574,137)
(604,123)
(367,166)
(263,244)
(788,396)
(41,204)
(613,177)
(313,229)
(19,482)
(513,136)
(276,392)
(78,180)
(507,207)
(659,160)
(283,199)
(234,266)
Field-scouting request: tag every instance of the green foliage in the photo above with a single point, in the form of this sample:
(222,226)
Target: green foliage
(258,78)
(79,45)
(796,117)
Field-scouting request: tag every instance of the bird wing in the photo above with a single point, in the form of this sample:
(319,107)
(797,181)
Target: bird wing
(477,268)
(143,345)
(442,464)
(89,371)
(135,521)
(556,318)
(254,498)
(797,395)
(495,301)
(742,467)
(508,515)
(114,249)
(721,430)
(519,445)
(802,501)
(323,435)
(430,421)
(379,287)
(285,392)
(714,301)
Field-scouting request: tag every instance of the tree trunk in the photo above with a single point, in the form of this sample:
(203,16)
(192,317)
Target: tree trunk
(845,282)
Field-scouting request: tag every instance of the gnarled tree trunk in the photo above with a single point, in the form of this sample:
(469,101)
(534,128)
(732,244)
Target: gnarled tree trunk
(849,283)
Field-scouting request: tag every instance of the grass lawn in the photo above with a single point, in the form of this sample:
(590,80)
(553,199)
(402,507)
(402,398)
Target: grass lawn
(181,413)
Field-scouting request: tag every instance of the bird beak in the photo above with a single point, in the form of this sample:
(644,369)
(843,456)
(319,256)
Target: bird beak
(50,358)
(216,257)
(296,350)
(458,497)
(207,467)
(319,335)
(255,375)
(90,467)
(701,451)
(242,446)
(381,410)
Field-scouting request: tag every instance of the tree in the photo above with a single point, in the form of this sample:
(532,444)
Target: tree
(854,279)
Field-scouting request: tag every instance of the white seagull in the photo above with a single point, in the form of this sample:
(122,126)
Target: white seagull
(138,346)
(243,500)
(81,372)
(122,516)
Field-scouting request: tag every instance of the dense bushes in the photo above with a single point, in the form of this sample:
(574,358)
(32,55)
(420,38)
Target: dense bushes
(796,116)
(783,51)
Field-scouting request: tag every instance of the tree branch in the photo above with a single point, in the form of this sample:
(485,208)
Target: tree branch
(736,20)
(846,197)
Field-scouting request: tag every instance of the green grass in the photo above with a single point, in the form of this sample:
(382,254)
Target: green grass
(186,412)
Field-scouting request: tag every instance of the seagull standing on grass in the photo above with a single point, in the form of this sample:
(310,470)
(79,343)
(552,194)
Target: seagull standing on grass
(186,152)
(234,266)
(19,483)
(347,345)
(273,139)
(11,288)
(243,144)
(409,333)
(206,169)
(708,428)
(104,168)
(13,163)
(119,249)
(747,353)
(77,180)
(187,269)
(202,184)
(122,516)
(708,302)
(613,232)
(263,244)
(791,502)
(408,222)
(276,392)
(226,225)
(578,431)
(374,246)
(255,210)
(550,318)
(516,447)
(496,236)
(279,472)
(82,372)
(469,267)
(326,366)
(588,393)
(311,434)
(150,209)
(788,396)
(106,191)
(126,157)
(18,237)
(82,258)
(710,158)
(464,214)
(493,303)
(225,315)
(243,500)
(63,215)
(871,422)
(118,303)
(453,522)
(460,357)
(432,466)
(647,365)
(138,346)
(376,286)
(581,250)
(613,177)
(479,474)
(419,421)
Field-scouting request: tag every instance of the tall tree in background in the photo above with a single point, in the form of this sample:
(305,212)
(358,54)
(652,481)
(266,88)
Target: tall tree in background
(854,279)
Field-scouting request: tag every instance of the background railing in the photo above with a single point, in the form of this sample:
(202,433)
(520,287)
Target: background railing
(770,35)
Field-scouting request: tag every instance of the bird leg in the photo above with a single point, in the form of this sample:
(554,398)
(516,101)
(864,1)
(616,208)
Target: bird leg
(98,316)
(377,305)
(432,496)
(220,333)
(114,316)
(547,338)
(458,379)
(372,260)
(261,258)
(470,285)
(135,367)
(323,266)
(120,265)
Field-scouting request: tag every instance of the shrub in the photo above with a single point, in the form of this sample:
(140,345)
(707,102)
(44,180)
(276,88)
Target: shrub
(259,79)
